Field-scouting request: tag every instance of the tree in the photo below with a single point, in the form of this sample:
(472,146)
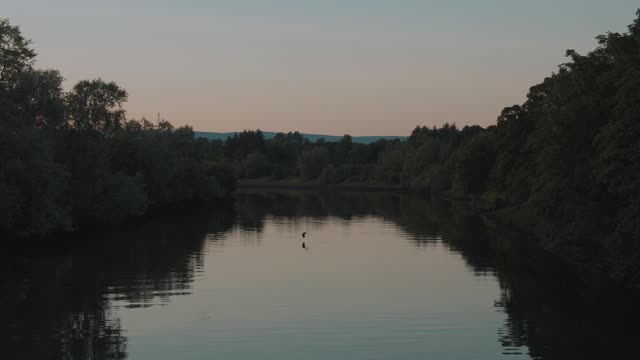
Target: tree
(16,56)
(473,164)
(15,51)
(96,105)
(33,188)
(256,165)
(343,148)
(38,99)
(312,162)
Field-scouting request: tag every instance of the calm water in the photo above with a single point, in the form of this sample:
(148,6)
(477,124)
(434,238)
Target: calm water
(384,277)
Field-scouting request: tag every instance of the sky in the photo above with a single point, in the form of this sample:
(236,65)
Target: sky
(359,67)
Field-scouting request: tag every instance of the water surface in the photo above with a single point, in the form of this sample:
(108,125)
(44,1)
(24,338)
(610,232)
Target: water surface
(384,276)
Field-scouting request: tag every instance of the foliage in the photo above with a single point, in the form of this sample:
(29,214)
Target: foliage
(16,51)
(96,105)
(73,160)
(312,162)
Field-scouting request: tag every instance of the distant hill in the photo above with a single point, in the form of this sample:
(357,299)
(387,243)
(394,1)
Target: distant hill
(311,137)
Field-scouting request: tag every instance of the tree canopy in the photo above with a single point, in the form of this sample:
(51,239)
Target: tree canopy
(71,160)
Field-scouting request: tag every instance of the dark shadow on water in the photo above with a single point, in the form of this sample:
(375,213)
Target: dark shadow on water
(62,307)
(551,312)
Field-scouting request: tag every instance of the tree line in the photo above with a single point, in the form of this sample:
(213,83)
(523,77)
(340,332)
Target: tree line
(73,159)
(565,163)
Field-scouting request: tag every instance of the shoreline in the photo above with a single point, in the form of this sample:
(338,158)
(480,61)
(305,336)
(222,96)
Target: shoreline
(310,185)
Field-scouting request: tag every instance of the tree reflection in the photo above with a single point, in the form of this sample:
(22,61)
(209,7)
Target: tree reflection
(556,313)
(61,307)
(552,311)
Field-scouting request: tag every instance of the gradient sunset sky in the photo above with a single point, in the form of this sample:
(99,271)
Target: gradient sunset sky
(363,67)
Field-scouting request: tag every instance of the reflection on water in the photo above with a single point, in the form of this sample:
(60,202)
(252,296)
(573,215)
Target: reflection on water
(384,276)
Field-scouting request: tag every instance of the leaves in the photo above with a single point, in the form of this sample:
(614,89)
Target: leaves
(96,105)
(15,51)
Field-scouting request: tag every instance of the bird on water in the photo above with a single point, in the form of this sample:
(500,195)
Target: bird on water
(304,234)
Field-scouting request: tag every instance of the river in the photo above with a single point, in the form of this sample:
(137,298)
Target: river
(380,276)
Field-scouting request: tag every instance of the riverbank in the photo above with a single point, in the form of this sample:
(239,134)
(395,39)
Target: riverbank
(299,184)
(591,270)
(523,224)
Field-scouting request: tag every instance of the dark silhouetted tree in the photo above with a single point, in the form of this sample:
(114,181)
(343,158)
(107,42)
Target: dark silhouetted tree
(96,105)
